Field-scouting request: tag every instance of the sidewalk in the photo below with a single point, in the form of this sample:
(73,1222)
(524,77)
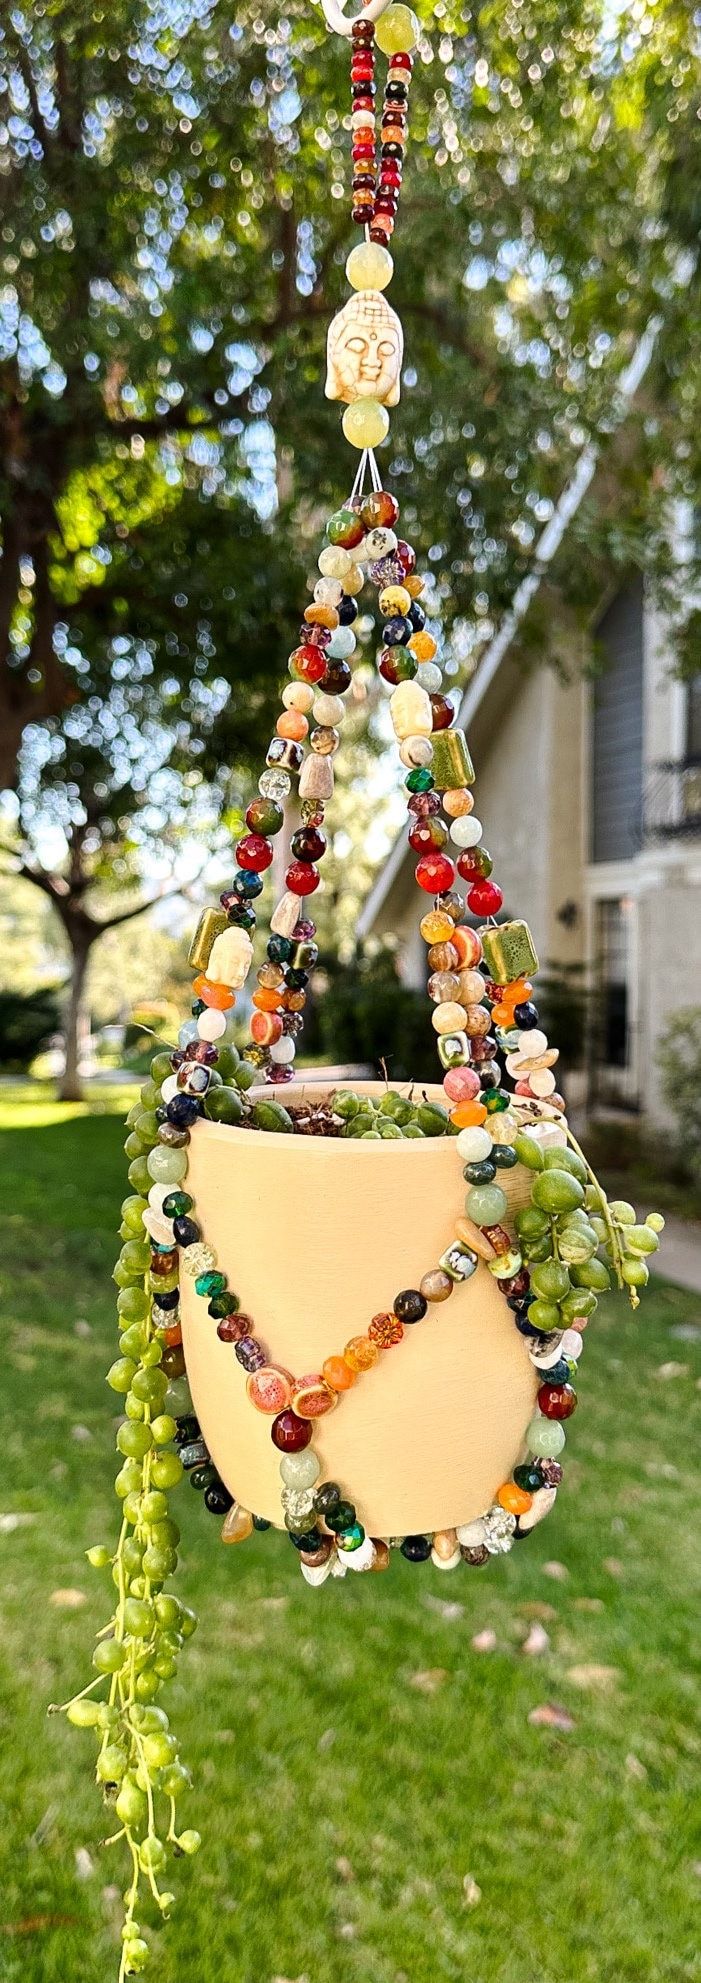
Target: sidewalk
(679,1257)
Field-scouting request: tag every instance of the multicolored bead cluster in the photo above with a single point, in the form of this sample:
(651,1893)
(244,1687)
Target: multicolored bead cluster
(375,203)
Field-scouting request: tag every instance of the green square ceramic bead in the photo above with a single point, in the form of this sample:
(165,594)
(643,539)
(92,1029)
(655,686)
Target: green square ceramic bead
(509,952)
(453,1049)
(451,764)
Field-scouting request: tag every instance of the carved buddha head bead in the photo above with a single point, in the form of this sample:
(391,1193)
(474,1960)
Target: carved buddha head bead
(364,350)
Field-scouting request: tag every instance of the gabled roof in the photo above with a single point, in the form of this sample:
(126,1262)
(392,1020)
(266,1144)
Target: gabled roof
(547,544)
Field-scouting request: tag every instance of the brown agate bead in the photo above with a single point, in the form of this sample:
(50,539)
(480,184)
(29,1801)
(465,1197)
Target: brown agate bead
(443,957)
(436,1286)
(476,1557)
(380,1559)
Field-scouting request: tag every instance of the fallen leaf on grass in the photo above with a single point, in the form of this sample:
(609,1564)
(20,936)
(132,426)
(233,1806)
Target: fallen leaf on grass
(34,1923)
(485,1641)
(84,1865)
(344,1868)
(81,1434)
(68,1599)
(537,1641)
(429,1681)
(551,1715)
(558,1571)
(8,1523)
(537,1608)
(667,1370)
(600,1678)
(446,1608)
(613,1566)
(636,1769)
(471,1893)
(588,1604)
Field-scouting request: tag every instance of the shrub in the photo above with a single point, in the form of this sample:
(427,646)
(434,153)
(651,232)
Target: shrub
(679,1059)
(27,1021)
(367,1014)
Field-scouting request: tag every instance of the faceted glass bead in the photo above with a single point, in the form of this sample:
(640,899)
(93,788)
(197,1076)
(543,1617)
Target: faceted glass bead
(361,1353)
(290,1433)
(329,1496)
(254,852)
(434,872)
(485,899)
(396,665)
(557,1401)
(232,1328)
(409,1305)
(275,785)
(339,1517)
(346,528)
(419,781)
(250,1353)
(385,1330)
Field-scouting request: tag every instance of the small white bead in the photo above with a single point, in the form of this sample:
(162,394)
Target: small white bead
(466,831)
(377,544)
(572,1344)
(211,1024)
(317,1573)
(416,752)
(283,1051)
(157,1194)
(532,1045)
(299,696)
(361,1558)
(446,1562)
(429,676)
(328,709)
(474,1144)
(541,1082)
(169,1088)
(328,592)
(159,1228)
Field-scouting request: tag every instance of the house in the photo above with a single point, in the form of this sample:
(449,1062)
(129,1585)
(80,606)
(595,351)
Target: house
(589,791)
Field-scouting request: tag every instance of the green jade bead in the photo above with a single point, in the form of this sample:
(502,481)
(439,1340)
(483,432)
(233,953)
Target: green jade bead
(166,1166)
(487,1204)
(545,1437)
(300,1470)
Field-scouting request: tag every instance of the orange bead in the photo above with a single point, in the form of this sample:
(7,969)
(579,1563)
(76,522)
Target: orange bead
(423,645)
(517,992)
(514,1499)
(172,1337)
(266,1028)
(468,1115)
(337,1373)
(414,585)
(467,944)
(360,1352)
(321,616)
(220,996)
(457,802)
(293,726)
(503,1014)
(267,998)
(293,1001)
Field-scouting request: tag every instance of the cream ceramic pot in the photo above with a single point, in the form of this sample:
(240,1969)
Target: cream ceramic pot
(316,1236)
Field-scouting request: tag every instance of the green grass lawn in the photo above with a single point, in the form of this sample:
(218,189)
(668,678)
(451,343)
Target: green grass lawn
(356,1761)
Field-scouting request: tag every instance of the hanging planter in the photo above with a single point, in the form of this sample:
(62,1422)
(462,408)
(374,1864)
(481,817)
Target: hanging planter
(367,1337)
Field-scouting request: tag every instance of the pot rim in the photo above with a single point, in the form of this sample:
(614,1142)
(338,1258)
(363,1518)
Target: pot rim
(319,1089)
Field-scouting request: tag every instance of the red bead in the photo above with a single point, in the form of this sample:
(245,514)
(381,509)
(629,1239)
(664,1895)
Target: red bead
(557,1400)
(307,663)
(435,873)
(424,804)
(442,712)
(254,852)
(289,1433)
(485,898)
(385,203)
(302,878)
(232,1328)
(407,556)
(427,834)
(390,176)
(401,61)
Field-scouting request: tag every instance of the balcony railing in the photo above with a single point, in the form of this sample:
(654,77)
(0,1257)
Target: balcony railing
(672,802)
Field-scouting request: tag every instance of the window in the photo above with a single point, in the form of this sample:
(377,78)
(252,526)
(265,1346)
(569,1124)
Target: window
(612,977)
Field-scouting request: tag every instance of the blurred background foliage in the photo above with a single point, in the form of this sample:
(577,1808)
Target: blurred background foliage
(173,231)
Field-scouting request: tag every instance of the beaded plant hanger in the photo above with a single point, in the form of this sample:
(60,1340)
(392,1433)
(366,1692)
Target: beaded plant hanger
(487,1025)
(501,1103)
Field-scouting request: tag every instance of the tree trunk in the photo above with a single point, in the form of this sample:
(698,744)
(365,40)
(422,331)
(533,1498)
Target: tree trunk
(70,1086)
